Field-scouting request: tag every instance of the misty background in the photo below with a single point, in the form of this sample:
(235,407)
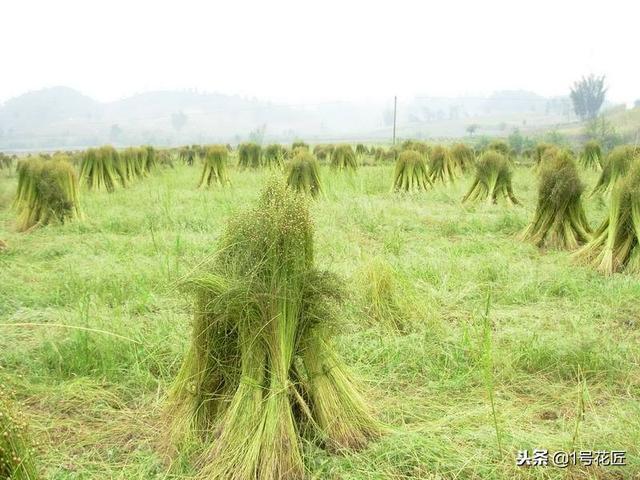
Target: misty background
(78,74)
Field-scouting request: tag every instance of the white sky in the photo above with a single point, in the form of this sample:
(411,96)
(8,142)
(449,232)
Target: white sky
(297,51)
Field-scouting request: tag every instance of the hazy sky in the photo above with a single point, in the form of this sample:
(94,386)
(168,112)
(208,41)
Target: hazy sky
(298,51)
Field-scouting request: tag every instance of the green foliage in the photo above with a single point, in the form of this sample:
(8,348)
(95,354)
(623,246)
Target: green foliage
(411,173)
(303,174)
(616,165)
(261,370)
(344,158)
(518,143)
(249,155)
(493,180)
(604,132)
(442,167)
(559,221)
(47,192)
(214,168)
(16,452)
(591,155)
(614,246)
(299,144)
(587,96)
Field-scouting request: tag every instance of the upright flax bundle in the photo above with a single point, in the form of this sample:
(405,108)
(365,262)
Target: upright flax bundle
(214,167)
(47,192)
(493,180)
(559,221)
(614,246)
(260,372)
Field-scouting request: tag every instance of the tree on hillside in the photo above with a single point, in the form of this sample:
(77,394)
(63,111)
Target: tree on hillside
(587,96)
(178,120)
(471,129)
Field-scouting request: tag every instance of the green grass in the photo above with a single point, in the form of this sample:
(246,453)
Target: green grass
(93,382)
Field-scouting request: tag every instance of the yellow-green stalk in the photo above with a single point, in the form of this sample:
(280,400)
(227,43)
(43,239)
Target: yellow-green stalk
(614,246)
(344,158)
(303,174)
(262,311)
(411,173)
(214,167)
(591,155)
(559,221)
(441,165)
(249,155)
(493,180)
(16,451)
(616,165)
(47,192)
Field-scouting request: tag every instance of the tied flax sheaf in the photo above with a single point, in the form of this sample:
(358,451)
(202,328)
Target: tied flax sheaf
(47,192)
(303,174)
(261,375)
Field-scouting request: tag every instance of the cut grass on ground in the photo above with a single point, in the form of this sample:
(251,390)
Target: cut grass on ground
(558,330)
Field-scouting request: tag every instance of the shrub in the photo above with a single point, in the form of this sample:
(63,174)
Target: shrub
(214,168)
(441,166)
(47,192)
(462,157)
(260,369)
(614,246)
(616,165)
(591,155)
(411,172)
(303,174)
(249,155)
(343,157)
(16,453)
(299,144)
(361,149)
(493,180)
(559,221)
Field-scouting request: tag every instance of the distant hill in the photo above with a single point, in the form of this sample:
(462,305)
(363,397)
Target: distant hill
(61,117)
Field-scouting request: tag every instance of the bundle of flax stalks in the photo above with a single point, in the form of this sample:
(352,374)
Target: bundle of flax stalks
(559,221)
(261,374)
(614,247)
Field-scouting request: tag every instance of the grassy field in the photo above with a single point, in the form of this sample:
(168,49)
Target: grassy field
(93,329)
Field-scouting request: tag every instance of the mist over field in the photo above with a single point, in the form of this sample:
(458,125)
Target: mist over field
(337,240)
(61,117)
